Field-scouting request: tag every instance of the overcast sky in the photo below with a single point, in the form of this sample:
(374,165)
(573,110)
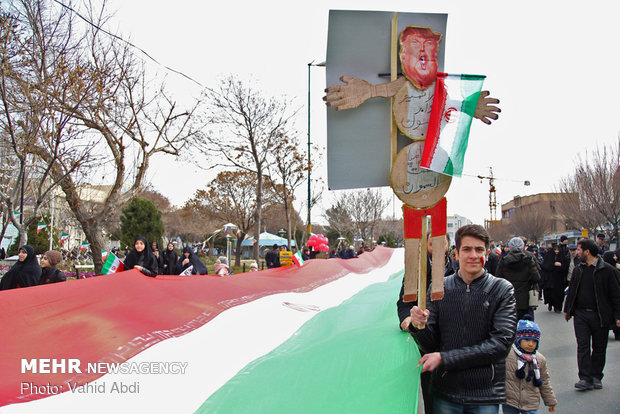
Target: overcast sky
(554,67)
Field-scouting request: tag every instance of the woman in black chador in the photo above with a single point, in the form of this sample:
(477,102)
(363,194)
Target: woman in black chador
(554,270)
(170,259)
(142,258)
(187,259)
(26,272)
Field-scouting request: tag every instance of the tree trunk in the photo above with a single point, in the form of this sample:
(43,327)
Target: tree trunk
(258,215)
(287,213)
(95,238)
(238,252)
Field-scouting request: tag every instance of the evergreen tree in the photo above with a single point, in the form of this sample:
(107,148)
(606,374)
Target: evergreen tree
(140,218)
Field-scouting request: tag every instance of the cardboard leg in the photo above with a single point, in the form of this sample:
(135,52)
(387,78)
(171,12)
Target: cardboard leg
(412,260)
(439,265)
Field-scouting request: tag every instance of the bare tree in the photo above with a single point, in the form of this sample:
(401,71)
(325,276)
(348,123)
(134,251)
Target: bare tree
(100,89)
(531,223)
(338,217)
(288,172)
(230,197)
(357,211)
(28,122)
(500,231)
(244,129)
(596,181)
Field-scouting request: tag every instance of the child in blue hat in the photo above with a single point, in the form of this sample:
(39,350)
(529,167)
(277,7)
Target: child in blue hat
(527,377)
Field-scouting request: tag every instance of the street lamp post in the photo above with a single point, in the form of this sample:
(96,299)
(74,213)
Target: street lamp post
(228,229)
(322,64)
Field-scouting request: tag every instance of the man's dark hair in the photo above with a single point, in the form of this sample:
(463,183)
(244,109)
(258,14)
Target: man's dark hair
(275,246)
(590,245)
(473,230)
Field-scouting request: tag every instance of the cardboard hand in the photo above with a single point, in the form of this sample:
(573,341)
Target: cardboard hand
(348,96)
(485,110)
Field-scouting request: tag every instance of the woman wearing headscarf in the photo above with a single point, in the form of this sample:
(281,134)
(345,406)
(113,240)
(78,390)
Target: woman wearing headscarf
(49,272)
(26,272)
(187,259)
(158,256)
(141,258)
(612,258)
(555,268)
(170,259)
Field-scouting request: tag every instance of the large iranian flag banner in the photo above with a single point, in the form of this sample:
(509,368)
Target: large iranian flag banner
(314,339)
(454,105)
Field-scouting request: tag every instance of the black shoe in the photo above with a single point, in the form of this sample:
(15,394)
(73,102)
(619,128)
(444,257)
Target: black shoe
(550,308)
(583,385)
(597,384)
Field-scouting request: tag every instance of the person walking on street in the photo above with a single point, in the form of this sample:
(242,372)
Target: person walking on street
(468,334)
(519,268)
(594,301)
(555,267)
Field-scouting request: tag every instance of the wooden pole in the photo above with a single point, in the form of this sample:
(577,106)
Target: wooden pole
(393,76)
(422,268)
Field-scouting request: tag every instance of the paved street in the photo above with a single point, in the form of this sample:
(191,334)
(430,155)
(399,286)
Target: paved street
(560,348)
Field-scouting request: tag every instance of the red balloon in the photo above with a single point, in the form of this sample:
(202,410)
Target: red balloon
(312,242)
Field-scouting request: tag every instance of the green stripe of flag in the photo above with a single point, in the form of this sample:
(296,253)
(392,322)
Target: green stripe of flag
(347,359)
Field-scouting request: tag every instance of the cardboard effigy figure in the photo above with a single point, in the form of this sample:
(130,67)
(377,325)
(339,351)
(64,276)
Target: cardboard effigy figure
(423,109)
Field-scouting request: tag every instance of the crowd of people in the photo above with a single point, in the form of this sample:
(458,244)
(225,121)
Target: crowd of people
(479,344)
(28,272)
(144,257)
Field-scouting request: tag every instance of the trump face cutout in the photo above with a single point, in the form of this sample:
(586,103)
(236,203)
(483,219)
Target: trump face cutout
(418,55)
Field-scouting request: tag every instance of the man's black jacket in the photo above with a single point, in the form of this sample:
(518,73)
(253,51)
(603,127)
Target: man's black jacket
(473,327)
(606,291)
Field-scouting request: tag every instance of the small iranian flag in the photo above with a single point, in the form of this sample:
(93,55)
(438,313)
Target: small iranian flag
(112,265)
(40,227)
(454,104)
(84,245)
(298,259)
(63,237)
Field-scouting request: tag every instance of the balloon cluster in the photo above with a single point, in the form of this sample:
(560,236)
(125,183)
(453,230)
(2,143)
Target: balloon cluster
(319,242)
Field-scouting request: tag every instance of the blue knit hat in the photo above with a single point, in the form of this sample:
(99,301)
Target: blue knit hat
(527,329)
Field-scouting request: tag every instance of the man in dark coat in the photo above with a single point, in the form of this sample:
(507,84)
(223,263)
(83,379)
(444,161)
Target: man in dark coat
(468,333)
(594,301)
